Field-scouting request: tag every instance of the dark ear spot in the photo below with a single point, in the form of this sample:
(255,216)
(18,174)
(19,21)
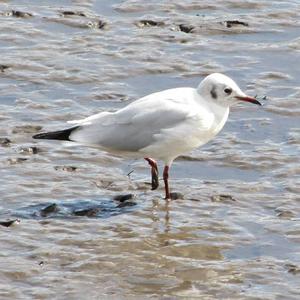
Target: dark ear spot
(213,92)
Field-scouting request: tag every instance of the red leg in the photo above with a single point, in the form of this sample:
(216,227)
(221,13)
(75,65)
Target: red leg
(154,173)
(166,177)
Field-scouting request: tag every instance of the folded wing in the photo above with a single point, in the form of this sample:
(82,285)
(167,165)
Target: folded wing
(135,126)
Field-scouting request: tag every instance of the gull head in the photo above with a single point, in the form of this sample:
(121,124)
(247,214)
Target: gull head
(222,90)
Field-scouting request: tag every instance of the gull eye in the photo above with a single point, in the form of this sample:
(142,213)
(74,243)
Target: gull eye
(228,91)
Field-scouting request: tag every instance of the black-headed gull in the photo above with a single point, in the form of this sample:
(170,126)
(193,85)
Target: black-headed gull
(160,126)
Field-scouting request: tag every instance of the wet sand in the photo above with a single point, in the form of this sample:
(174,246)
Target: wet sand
(234,235)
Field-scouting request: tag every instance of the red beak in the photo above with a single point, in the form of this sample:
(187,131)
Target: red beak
(248,99)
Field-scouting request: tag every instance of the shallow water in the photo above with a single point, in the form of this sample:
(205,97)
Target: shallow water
(236,233)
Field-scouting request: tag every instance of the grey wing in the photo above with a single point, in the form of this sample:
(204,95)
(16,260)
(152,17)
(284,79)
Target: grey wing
(131,128)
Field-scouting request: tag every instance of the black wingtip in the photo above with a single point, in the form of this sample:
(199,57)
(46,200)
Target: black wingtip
(63,135)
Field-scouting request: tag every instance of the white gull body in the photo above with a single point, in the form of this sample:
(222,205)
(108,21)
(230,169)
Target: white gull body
(162,125)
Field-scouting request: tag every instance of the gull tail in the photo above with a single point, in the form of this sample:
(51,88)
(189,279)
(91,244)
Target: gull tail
(63,135)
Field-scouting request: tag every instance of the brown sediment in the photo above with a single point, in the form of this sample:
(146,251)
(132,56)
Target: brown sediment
(205,246)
